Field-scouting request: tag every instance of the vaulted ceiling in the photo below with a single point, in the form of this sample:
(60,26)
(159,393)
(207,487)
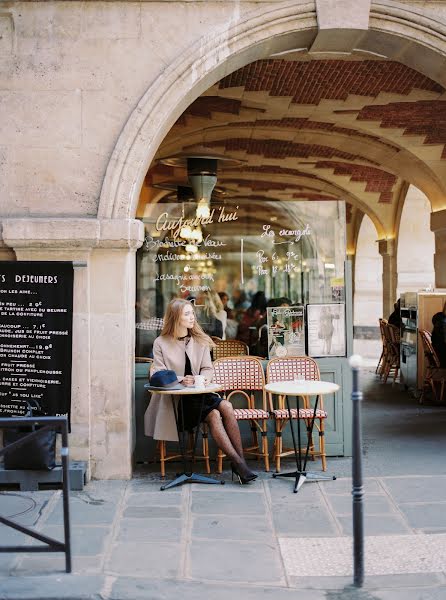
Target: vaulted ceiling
(319,129)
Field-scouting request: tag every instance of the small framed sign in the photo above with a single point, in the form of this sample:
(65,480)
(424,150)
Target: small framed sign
(286,331)
(326,329)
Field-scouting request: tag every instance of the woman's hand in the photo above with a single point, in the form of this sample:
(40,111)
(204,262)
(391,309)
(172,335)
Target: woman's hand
(188,380)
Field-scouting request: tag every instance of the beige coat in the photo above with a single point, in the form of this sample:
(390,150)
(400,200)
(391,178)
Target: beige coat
(169,353)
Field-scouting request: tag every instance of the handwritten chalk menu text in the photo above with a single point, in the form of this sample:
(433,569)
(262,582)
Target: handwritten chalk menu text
(36,314)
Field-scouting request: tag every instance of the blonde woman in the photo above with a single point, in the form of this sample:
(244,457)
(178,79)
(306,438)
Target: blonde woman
(207,315)
(184,347)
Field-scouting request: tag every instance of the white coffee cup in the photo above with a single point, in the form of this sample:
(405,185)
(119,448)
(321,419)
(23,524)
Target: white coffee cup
(199,381)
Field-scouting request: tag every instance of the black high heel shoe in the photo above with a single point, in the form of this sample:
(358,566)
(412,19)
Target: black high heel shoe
(242,479)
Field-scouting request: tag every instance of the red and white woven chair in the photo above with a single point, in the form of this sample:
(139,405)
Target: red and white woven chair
(242,377)
(288,369)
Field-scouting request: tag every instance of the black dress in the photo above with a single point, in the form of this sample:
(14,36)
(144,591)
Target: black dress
(192,404)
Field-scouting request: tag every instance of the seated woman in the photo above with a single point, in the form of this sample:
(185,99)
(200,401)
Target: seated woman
(183,347)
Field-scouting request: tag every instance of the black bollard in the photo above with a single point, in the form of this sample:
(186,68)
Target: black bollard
(357,491)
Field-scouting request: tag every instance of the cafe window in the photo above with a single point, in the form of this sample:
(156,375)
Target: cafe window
(293,250)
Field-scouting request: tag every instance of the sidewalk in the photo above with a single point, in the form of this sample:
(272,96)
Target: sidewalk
(131,541)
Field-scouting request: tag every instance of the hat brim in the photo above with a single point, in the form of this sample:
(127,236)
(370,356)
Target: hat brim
(171,386)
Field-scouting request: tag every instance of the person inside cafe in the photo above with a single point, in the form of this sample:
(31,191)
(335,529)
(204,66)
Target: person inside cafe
(439,337)
(395,317)
(184,348)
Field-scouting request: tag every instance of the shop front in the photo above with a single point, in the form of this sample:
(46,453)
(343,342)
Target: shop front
(280,268)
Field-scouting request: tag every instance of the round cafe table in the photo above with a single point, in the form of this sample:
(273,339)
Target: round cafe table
(188,476)
(298,389)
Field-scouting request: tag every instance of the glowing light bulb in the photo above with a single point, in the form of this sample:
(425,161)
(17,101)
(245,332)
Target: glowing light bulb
(203,209)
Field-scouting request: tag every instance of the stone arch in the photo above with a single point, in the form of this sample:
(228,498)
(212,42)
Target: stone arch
(407,36)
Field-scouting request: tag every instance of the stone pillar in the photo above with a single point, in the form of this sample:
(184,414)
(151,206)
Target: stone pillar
(387,250)
(438,226)
(103,254)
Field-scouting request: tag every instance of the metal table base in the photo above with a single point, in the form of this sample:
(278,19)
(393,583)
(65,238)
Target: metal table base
(300,474)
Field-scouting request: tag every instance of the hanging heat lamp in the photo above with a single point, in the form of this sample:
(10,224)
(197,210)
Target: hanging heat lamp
(201,168)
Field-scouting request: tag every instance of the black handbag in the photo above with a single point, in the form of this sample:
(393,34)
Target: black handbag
(39,453)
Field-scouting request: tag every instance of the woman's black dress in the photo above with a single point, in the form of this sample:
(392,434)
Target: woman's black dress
(192,404)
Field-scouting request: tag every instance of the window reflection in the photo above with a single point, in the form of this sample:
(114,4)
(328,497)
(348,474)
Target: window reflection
(236,261)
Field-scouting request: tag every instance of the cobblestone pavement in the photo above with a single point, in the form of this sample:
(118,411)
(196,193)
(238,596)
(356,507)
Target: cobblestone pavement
(132,541)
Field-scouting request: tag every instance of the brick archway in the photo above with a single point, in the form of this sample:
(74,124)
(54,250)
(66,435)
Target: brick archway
(393,29)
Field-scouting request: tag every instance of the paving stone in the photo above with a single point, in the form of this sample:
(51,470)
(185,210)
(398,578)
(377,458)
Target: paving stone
(376,525)
(54,565)
(85,541)
(159,529)
(306,521)
(343,485)
(51,588)
(24,508)
(151,560)
(242,561)
(153,499)
(384,555)
(425,515)
(142,589)
(232,527)
(151,512)
(417,489)
(281,491)
(84,513)
(217,503)
(373,505)
(438,593)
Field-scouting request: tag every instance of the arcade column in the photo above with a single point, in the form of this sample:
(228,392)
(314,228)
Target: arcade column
(438,226)
(103,255)
(387,250)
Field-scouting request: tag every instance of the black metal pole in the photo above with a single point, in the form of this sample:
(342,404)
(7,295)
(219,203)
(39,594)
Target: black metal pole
(357,491)
(66,495)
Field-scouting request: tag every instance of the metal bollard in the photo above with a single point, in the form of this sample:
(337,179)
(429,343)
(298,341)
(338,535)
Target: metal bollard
(357,490)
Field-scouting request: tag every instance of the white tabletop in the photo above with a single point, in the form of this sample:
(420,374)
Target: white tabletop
(208,389)
(302,388)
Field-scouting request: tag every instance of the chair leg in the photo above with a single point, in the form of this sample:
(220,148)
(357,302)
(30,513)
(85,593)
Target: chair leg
(322,444)
(162,448)
(205,441)
(278,444)
(220,456)
(265,451)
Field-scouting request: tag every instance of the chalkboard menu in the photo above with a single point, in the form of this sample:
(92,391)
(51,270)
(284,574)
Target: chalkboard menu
(36,314)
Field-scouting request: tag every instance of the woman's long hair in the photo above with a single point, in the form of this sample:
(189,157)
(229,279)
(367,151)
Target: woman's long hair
(172,323)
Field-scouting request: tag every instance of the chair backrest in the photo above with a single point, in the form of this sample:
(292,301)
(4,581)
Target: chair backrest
(292,367)
(394,333)
(225,348)
(288,369)
(429,352)
(240,375)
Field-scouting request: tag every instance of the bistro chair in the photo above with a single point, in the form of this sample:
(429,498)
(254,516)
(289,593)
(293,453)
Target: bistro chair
(433,373)
(381,360)
(391,362)
(242,377)
(165,456)
(225,348)
(288,369)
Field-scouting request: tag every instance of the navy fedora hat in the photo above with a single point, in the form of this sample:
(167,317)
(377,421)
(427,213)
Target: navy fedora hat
(164,380)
